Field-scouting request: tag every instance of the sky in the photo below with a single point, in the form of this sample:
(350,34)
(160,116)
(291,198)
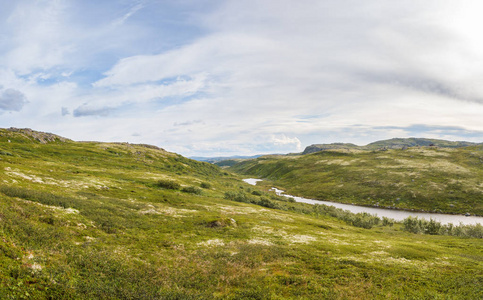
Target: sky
(222,78)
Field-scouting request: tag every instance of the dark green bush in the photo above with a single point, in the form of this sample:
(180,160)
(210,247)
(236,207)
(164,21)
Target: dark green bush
(168,184)
(38,196)
(363,220)
(423,226)
(192,190)
(265,202)
(237,196)
(205,185)
(387,222)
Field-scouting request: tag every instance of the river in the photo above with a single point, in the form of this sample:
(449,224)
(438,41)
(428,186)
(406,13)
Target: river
(395,214)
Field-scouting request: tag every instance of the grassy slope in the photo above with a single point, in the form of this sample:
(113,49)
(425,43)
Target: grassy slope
(396,143)
(421,178)
(86,220)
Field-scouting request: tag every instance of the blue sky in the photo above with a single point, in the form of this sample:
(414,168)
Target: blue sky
(210,78)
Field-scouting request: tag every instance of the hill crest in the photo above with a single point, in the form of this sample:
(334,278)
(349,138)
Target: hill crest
(394,143)
(25,135)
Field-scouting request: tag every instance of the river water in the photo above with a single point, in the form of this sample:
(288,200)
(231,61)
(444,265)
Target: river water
(397,215)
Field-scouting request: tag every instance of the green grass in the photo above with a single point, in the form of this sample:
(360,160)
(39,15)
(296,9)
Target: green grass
(90,221)
(419,178)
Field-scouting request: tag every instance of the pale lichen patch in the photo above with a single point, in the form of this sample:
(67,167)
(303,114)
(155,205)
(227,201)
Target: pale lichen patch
(170,211)
(235,210)
(447,166)
(68,210)
(35,267)
(378,253)
(269,230)
(337,241)
(431,153)
(32,178)
(85,183)
(340,162)
(280,217)
(81,225)
(256,241)
(150,211)
(383,257)
(301,239)
(382,244)
(212,243)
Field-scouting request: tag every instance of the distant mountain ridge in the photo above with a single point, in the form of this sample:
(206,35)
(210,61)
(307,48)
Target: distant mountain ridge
(395,143)
(213,160)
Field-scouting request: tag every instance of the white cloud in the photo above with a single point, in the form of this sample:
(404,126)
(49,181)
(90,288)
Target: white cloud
(120,21)
(283,140)
(244,76)
(36,36)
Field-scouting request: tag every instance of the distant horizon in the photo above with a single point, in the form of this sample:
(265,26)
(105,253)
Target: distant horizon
(219,77)
(235,154)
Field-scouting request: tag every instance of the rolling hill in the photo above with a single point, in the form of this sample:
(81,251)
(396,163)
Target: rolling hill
(440,178)
(92,220)
(396,143)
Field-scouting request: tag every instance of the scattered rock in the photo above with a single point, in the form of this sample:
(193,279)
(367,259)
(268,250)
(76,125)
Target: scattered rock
(42,137)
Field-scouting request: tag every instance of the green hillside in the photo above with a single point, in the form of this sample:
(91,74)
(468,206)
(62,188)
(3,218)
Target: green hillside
(89,220)
(396,143)
(432,179)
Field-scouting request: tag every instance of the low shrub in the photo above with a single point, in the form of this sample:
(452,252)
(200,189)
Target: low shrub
(168,184)
(415,225)
(363,220)
(387,221)
(192,190)
(205,185)
(38,196)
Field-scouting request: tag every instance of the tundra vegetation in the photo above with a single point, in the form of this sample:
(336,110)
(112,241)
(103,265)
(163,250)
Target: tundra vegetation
(432,179)
(88,220)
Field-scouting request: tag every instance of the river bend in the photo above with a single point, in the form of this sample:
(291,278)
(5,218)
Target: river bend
(395,214)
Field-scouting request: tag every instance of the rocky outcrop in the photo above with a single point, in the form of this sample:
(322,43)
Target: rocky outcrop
(42,137)
(321,147)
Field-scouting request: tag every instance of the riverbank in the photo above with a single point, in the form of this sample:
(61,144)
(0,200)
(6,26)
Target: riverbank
(396,214)
(446,181)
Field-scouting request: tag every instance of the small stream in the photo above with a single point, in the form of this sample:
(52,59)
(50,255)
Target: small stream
(395,214)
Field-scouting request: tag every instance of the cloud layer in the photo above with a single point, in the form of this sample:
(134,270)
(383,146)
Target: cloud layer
(243,77)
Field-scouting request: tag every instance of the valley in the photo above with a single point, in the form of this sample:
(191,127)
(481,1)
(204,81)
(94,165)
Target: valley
(90,220)
(426,179)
